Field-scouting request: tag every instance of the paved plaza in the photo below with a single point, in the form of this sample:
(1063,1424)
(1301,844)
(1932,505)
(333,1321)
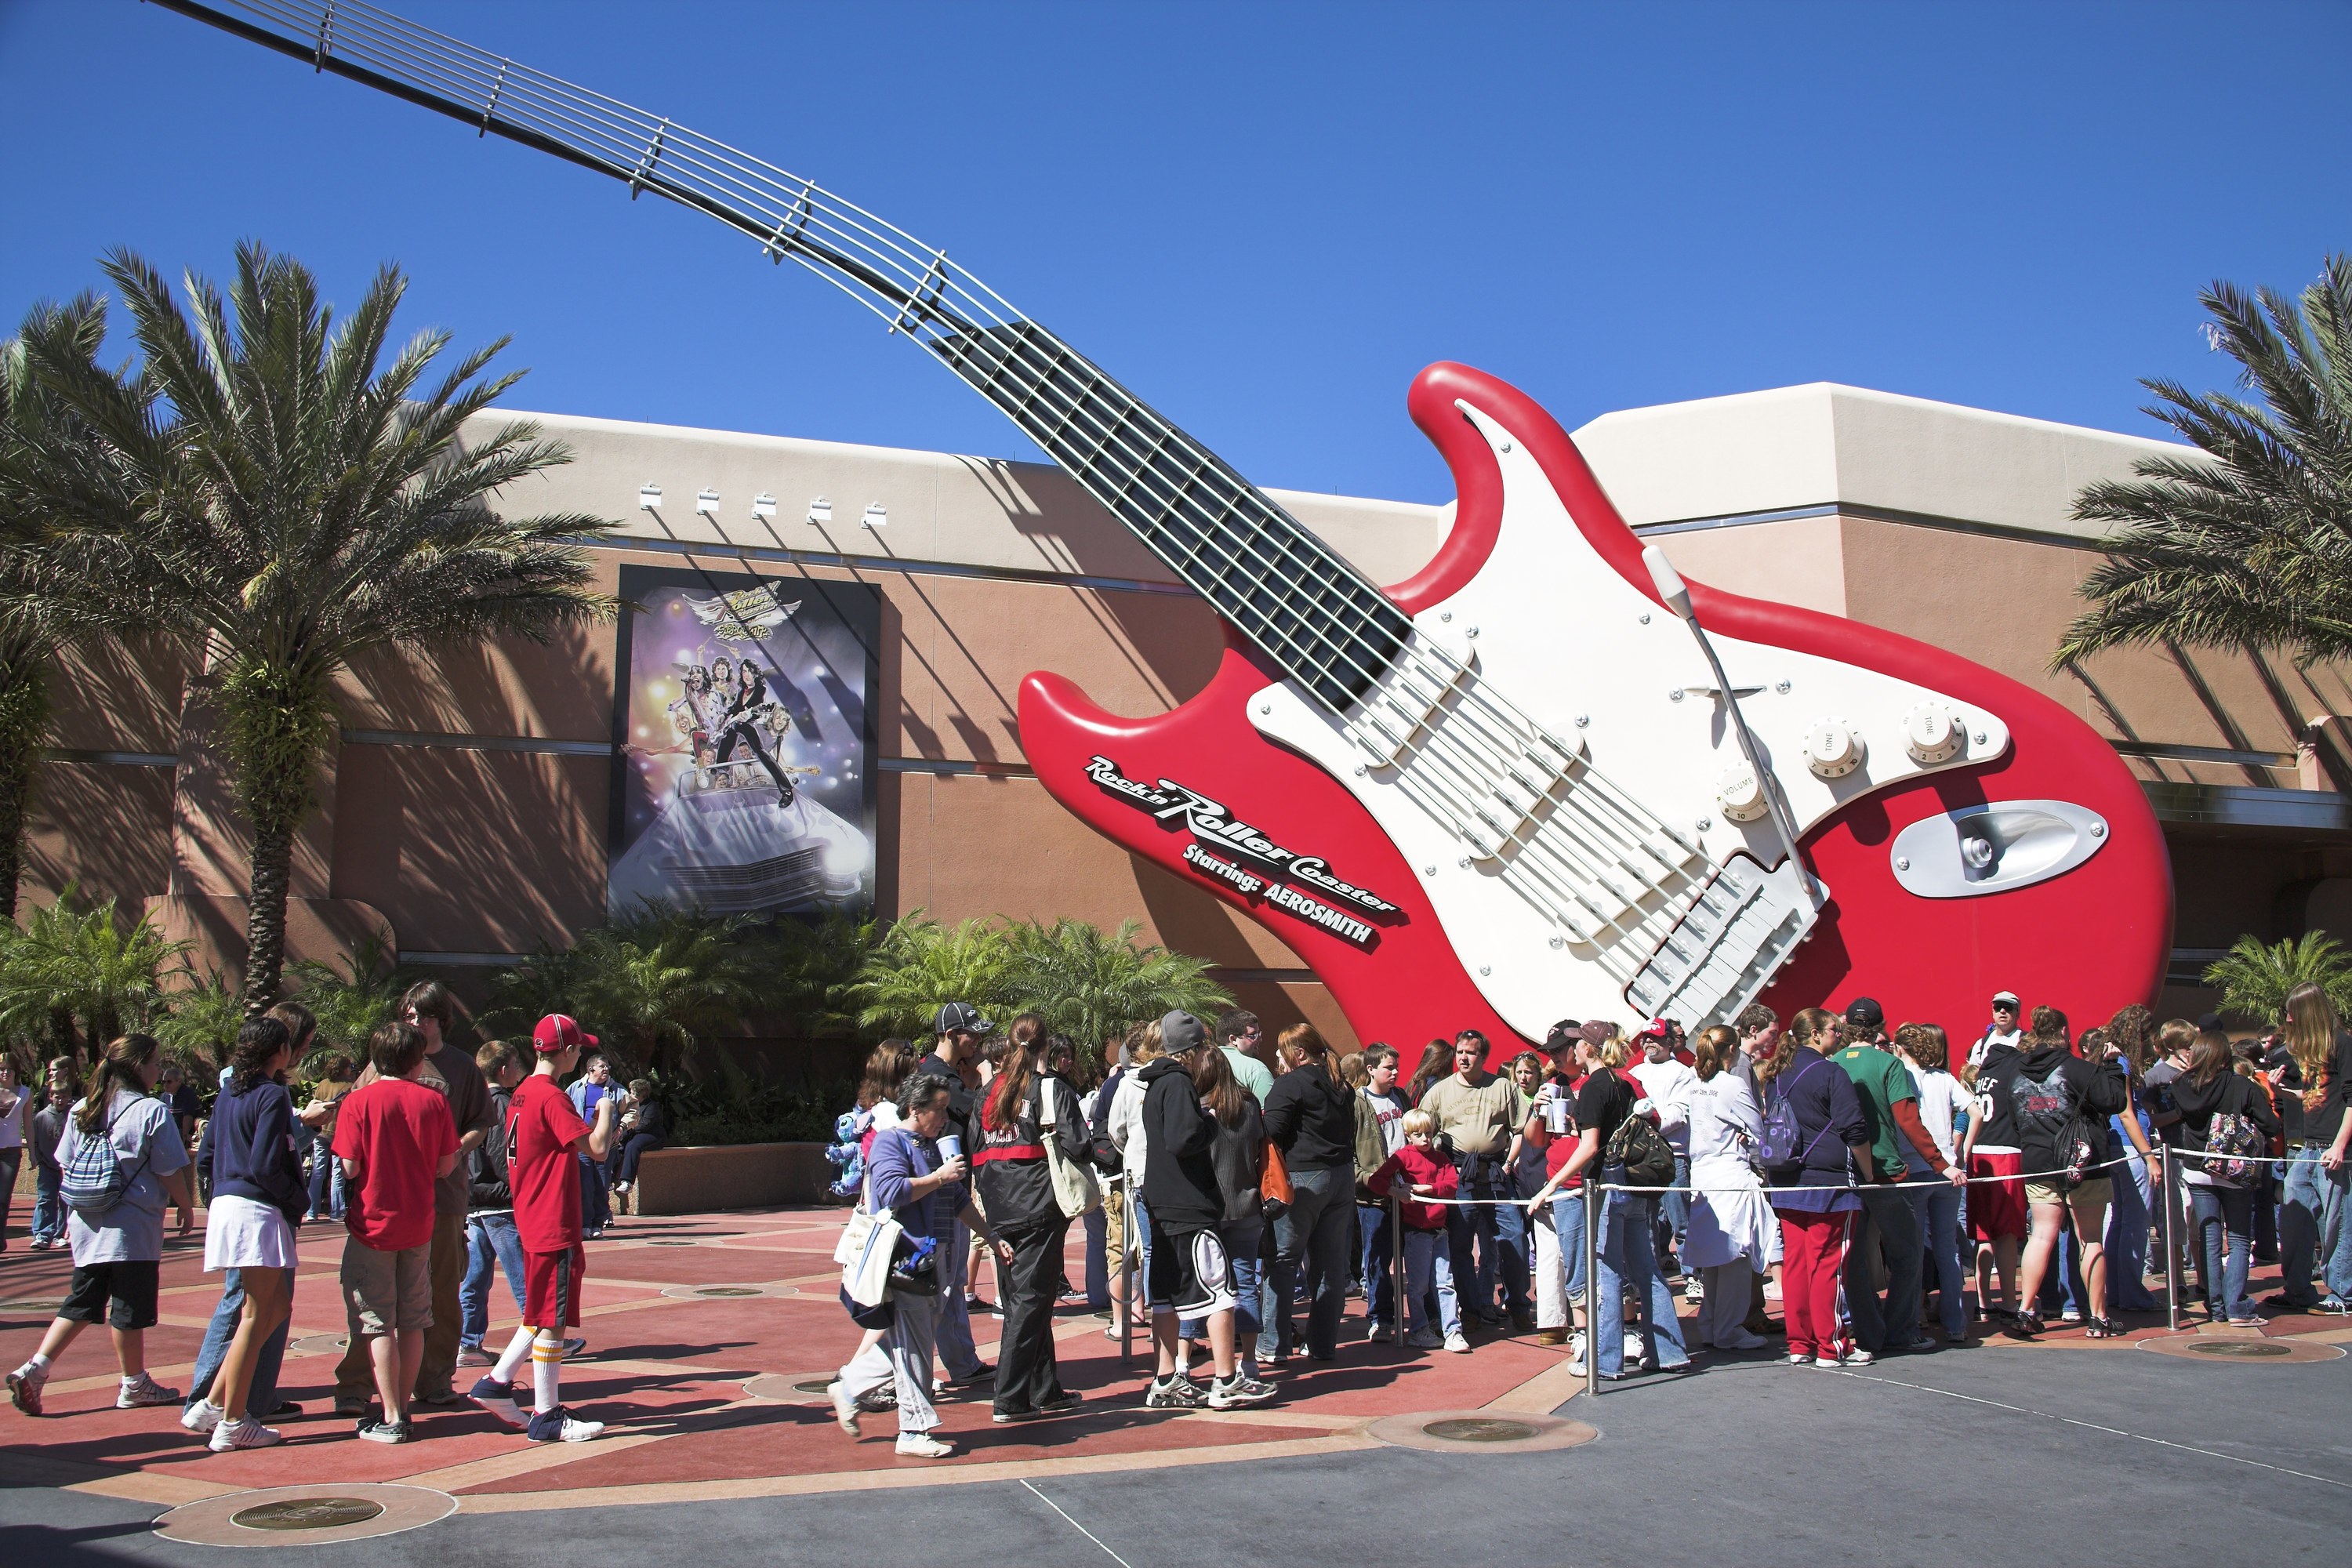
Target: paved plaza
(710,1339)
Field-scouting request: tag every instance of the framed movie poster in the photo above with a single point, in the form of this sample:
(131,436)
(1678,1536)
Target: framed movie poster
(743,732)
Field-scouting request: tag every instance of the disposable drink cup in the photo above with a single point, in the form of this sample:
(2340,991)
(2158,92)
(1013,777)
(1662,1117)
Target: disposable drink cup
(950,1147)
(1555,1116)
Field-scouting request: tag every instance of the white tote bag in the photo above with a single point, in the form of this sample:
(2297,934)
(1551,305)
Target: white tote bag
(1074,1187)
(866,1249)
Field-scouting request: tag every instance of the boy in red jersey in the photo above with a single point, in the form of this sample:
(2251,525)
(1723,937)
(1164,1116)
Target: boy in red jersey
(543,1134)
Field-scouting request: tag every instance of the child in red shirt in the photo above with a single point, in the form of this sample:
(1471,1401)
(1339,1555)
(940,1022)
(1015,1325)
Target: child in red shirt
(1417,1169)
(543,1135)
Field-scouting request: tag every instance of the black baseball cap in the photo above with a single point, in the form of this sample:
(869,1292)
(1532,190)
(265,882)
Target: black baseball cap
(1864,1012)
(961,1018)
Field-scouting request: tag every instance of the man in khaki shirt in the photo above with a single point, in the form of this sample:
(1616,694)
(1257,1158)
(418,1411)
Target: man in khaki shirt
(1481,1114)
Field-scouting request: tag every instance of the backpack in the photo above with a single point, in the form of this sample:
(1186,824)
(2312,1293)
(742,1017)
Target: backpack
(93,1181)
(1777,1150)
(2051,1107)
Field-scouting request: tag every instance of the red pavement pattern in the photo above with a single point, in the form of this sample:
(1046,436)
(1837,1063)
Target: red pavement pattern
(667,1375)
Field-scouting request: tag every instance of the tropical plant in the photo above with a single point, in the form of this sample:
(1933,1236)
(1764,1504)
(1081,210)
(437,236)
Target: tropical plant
(1090,986)
(917,963)
(39,606)
(815,968)
(2247,547)
(2254,979)
(83,966)
(205,1013)
(349,1002)
(650,986)
(262,488)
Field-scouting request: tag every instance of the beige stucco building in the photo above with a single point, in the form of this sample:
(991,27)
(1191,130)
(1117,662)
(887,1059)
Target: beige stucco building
(468,805)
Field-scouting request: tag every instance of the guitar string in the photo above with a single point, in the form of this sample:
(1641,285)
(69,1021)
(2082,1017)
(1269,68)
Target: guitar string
(1626,854)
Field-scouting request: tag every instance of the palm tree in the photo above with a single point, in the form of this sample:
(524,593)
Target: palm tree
(815,968)
(917,964)
(205,1015)
(651,986)
(2255,980)
(350,1001)
(85,966)
(39,606)
(2249,547)
(1090,986)
(262,487)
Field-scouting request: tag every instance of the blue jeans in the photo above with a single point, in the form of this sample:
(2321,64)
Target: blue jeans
(1568,1224)
(1312,1236)
(261,1394)
(595,1195)
(1429,1264)
(1937,1210)
(2312,1235)
(1628,1257)
(48,1209)
(1379,1278)
(2225,1246)
(326,1183)
(491,1242)
(2129,1219)
(1097,1262)
(1241,1241)
(1475,1234)
(1673,1208)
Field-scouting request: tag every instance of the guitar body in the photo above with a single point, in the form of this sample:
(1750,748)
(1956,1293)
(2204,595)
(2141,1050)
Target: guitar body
(1251,790)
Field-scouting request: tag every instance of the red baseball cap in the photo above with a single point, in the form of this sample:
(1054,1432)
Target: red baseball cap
(559,1032)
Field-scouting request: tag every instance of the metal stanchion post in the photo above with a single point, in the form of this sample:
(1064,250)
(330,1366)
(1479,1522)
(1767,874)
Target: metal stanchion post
(1592,1281)
(2171,1241)
(1396,1266)
(1126,1275)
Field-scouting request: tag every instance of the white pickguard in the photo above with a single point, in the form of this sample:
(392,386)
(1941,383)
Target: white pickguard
(1552,629)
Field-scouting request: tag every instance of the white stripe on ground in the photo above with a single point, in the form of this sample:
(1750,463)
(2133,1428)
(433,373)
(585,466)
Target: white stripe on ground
(1074,1524)
(2094,1426)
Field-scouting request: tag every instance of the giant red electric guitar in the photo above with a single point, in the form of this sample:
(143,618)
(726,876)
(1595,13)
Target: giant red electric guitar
(1539,780)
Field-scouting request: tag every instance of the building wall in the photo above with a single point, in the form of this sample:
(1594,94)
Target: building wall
(467,808)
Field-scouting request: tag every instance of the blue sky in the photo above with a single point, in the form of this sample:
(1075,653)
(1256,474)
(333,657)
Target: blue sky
(1264,220)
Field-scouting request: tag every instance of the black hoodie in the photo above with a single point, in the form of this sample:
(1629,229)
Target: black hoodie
(1313,1119)
(2098,1093)
(1180,1171)
(2199,1103)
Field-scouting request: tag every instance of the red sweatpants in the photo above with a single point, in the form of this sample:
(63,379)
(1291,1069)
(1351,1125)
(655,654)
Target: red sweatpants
(1812,1255)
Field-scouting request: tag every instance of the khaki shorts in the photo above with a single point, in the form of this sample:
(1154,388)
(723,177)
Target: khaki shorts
(385,1293)
(2089,1202)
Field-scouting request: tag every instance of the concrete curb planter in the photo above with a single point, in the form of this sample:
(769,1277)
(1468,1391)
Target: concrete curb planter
(698,1178)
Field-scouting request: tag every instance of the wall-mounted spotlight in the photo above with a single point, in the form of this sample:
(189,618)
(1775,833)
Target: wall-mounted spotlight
(876,516)
(821,511)
(763,505)
(650,498)
(706,503)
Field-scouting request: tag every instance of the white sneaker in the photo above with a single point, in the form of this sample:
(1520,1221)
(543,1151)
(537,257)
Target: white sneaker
(560,1426)
(244,1434)
(1425,1339)
(143,1391)
(1858,1356)
(1457,1344)
(1693,1289)
(203,1415)
(922,1445)
(845,1409)
(1384,1335)
(1576,1367)
(1576,1345)
(1634,1346)
(1798,1358)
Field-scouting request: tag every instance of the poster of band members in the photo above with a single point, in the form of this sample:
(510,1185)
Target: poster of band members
(745,742)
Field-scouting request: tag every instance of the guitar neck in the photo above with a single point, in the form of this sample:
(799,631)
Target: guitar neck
(1313,614)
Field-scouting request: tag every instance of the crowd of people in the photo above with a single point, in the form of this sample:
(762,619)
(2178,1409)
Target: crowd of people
(1234,1195)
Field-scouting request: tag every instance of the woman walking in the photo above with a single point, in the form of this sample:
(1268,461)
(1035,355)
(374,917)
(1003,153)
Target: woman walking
(117,1249)
(1027,1104)
(1731,1224)
(925,1193)
(258,1196)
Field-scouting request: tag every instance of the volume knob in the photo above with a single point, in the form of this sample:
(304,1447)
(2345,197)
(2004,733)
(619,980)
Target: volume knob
(1740,793)
(1832,750)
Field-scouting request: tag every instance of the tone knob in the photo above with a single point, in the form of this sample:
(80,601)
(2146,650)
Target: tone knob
(1832,750)
(1929,734)
(1740,793)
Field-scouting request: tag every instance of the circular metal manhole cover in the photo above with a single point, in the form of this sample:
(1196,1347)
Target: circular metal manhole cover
(814,1386)
(673,1244)
(1478,1431)
(309,1513)
(2239,1348)
(729,1290)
